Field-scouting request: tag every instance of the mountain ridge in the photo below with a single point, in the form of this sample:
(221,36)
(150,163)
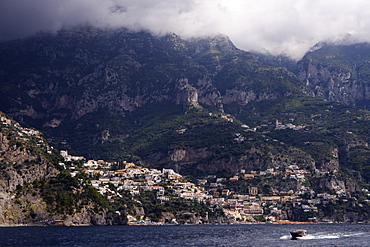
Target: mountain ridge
(108,94)
(201,107)
(128,80)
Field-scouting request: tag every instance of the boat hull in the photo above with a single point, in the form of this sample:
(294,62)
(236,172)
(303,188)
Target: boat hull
(297,234)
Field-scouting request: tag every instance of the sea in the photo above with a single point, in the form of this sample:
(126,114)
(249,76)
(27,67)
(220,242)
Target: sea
(188,235)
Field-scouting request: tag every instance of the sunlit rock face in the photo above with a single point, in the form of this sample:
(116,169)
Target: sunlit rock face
(338,73)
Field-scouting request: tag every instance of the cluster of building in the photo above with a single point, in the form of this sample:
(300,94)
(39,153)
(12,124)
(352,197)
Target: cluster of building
(26,134)
(280,126)
(211,190)
(136,179)
(22,131)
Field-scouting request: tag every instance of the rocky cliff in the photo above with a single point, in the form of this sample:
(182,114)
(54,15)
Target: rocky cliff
(338,73)
(25,160)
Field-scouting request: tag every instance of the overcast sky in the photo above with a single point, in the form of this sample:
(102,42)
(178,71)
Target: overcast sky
(288,27)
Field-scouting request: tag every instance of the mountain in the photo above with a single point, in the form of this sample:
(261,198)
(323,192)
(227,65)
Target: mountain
(200,106)
(108,94)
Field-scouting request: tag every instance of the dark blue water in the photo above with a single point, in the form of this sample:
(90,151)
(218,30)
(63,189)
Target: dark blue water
(207,235)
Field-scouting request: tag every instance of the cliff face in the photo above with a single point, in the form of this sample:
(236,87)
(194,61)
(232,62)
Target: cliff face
(338,73)
(25,160)
(21,161)
(254,159)
(66,76)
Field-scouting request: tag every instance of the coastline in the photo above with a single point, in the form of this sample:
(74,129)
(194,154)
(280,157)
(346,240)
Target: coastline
(45,224)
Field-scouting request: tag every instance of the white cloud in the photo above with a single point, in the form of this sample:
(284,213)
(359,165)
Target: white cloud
(284,26)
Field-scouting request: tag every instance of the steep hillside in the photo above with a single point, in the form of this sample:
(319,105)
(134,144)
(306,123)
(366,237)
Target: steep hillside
(95,91)
(200,106)
(338,73)
(77,72)
(34,189)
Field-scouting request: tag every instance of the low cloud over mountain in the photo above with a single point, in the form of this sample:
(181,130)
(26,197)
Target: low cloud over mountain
(288,27)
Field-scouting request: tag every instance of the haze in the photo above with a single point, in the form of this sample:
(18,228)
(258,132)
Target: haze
(288,27)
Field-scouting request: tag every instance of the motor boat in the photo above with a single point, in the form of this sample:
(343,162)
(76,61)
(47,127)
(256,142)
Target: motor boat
(298,234)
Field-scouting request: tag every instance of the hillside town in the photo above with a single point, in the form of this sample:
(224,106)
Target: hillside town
(215,192)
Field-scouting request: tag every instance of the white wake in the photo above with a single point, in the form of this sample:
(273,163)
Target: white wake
(324,236)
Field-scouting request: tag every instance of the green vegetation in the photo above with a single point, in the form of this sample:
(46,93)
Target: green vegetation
(154,208)
(64,194)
